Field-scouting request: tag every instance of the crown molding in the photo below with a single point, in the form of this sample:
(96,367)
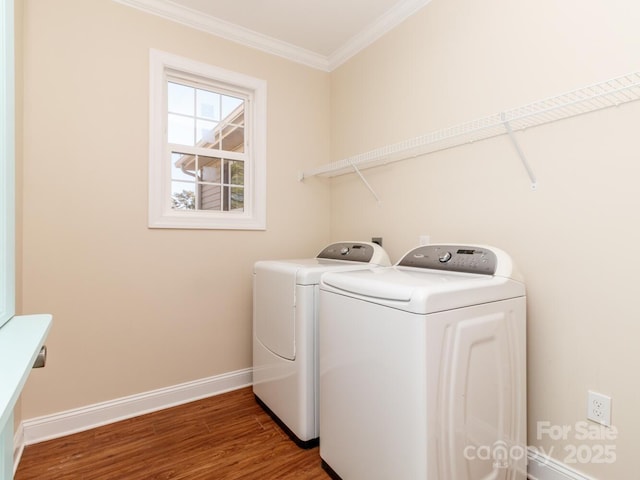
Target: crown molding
(374,31)
(229,31)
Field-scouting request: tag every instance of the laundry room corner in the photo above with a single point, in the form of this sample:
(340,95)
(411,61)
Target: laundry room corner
(457,61)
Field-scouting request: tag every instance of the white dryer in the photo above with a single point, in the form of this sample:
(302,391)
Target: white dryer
(285,323)
(422,368)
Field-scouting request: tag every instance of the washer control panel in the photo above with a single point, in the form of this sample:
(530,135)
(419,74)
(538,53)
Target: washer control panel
(353,252)
(453,258)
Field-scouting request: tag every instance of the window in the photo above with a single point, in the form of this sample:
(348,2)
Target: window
(207,166)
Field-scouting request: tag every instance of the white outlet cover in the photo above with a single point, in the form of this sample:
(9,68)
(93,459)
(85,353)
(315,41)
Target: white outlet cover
(599,408)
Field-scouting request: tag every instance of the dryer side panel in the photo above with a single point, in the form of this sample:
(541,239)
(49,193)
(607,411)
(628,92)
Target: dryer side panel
(481,392)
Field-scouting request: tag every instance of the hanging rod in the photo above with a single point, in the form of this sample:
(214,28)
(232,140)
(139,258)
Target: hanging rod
(588,99)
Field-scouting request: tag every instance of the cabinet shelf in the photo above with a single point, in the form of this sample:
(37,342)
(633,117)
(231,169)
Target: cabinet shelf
(588,99)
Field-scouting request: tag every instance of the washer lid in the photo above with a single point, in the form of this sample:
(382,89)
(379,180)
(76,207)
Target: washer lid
(428,280)
(339,256)
(421,291)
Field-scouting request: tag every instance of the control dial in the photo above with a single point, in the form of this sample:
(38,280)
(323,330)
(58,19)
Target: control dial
(344,250)
(445,257)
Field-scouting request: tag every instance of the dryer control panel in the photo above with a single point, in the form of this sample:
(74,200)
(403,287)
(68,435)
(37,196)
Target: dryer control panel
(355,252)
(453,258)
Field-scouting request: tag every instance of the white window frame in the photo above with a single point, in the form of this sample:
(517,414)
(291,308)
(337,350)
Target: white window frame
(161,214)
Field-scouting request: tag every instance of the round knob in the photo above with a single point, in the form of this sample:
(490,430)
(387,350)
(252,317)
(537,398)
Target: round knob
(344,250)
(445,257)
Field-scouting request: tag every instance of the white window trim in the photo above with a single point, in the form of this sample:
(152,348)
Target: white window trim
(161,215)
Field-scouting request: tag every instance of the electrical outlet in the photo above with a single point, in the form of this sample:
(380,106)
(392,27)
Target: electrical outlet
(599,408)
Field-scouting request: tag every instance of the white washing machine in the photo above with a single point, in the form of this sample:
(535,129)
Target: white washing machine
(285,323)
(422,368)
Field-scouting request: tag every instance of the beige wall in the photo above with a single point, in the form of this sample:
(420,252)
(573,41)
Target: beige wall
(574,238)
(137,309)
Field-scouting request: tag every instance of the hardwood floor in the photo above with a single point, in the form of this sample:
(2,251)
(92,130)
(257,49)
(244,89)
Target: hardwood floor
(223,437)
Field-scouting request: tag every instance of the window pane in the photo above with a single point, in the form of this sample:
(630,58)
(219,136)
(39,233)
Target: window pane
(206,133)
(180,99)
(237,199)
(209,169)
(181,130)
(229,104)
(233,139)
(183,196)
(210,197)
(236,172)
(208,105)
(183,167)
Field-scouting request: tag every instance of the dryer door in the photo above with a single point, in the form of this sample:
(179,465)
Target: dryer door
(274,309)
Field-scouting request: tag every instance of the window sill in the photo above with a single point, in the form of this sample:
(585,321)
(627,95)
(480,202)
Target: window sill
(207,221)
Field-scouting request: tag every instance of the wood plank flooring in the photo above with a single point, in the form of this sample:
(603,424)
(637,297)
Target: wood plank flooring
(223,437)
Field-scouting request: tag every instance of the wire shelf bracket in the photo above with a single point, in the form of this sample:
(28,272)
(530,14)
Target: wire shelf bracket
(366,184)
(610,93)
(523,158)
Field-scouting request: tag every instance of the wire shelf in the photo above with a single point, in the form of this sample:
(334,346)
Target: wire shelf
(588,99)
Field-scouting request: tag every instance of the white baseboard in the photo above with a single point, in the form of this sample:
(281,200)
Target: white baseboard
(84,418)
(542,467)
